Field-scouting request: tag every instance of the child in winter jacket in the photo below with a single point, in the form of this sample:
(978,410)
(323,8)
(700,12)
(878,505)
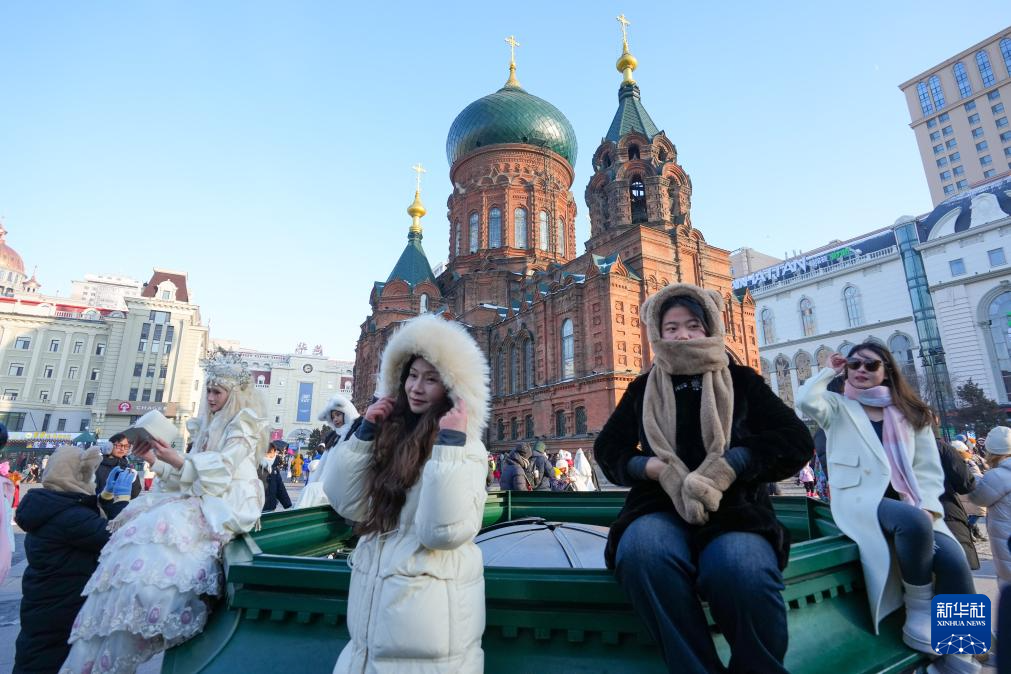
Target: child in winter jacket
(993,490)
(65,533)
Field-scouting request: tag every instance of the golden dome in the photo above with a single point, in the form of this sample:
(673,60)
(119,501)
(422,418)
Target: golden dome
(626,61)
(417,209)
(9,258)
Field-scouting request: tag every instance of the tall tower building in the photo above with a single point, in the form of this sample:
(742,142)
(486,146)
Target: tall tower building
(959,111)
(560,326)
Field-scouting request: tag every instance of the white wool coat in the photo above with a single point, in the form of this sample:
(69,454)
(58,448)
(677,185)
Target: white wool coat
(993,490)
(416,602)
(859,474)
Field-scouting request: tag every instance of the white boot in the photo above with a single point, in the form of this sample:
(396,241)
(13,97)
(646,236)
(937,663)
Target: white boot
(954,664)
(916,631)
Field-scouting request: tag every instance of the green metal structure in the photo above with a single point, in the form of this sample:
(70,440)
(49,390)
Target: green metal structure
(287,589)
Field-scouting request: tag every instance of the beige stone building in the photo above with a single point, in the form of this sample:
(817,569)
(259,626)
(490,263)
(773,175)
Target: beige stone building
(297,385)
(960,111)
(69,366)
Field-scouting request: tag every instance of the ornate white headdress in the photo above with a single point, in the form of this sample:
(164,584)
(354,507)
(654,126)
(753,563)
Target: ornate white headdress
(227,368)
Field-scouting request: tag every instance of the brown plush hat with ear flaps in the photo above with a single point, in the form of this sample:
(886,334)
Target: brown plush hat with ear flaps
(72,469)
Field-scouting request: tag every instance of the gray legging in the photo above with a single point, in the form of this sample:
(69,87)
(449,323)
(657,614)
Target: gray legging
(922,552)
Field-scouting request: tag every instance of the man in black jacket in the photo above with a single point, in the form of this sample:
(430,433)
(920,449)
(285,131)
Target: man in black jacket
(116,457)
(65,534)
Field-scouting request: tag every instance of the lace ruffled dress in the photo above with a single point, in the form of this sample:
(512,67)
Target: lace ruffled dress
(158,573)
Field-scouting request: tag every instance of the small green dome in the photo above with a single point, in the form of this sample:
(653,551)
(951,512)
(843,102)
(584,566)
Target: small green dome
(510,115)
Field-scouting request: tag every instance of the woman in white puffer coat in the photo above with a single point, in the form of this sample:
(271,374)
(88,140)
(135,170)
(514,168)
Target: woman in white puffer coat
(413,479)
(338,414)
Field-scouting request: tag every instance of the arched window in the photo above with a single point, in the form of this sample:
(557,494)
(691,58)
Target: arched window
(500,373)
(936,91)
(560,423)
(456,239)
(580,421)
(962,80)
(260,380)
(474,228)
(501,429)
(494,228)
(514,369)
(606,160)
(633,151)
(851,298)
(423,303)
(807,317)
(1005,51)
(1000,338)
(844,349)
(766,372)
(926,107)
(985,71)
(821,355)
(783,383)
(637,195)
(528,363)
(542,230)
(568,350)
(560,243)
(768,327)
(802,361)
(514,428)
(528,426)
(520,227)
(902,351)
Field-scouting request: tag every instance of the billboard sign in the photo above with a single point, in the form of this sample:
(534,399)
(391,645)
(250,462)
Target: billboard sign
(304,412)
(136,408)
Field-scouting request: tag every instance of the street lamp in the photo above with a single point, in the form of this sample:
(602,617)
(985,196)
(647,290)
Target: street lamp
(933,358)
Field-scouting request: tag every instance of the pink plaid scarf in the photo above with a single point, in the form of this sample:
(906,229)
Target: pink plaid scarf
(895,437)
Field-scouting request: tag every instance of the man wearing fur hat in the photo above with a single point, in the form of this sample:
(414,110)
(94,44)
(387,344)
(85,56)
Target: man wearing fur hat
(65,534)
(697,438)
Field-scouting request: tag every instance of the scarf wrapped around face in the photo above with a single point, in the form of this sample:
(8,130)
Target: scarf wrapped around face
(706,357)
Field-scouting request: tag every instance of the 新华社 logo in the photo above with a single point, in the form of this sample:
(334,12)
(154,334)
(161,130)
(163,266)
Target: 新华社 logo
(960,623)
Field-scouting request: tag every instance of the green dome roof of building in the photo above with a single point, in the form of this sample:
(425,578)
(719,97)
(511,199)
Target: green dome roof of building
(511,115)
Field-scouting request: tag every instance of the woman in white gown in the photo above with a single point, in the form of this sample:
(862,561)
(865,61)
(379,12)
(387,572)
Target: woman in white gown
(160,570)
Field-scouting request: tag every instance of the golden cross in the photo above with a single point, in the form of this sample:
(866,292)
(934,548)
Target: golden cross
(419,170)
(624,28)
(511,41)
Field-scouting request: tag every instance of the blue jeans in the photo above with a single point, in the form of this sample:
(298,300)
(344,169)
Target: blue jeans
(736,573)
(922,553)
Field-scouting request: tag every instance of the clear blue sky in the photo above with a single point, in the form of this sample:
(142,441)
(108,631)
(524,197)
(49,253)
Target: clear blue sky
(265,147)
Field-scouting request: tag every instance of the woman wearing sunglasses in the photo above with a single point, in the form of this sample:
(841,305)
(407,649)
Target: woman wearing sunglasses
(886,480)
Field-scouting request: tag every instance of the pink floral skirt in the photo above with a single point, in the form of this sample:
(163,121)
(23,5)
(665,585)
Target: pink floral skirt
(150,589)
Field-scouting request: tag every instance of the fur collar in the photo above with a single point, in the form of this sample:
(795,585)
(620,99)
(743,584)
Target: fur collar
(452,350)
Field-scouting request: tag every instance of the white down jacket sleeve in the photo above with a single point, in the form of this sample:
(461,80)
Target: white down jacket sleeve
(344,478)
(451,504)
(225,478)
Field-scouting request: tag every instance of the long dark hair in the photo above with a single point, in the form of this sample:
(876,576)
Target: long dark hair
(403,444)
(904,397)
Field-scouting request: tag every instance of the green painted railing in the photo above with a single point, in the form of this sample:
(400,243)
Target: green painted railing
(287,588)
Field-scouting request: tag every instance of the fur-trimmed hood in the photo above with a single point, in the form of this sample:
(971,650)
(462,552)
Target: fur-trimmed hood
(450,348)
(338,402)
(711,301)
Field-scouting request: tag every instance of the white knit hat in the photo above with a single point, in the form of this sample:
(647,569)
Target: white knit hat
(998,440)
(959,446)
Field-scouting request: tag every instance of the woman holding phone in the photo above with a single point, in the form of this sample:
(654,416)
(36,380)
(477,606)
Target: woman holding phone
(886,479)
(162,565)
(412,478)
